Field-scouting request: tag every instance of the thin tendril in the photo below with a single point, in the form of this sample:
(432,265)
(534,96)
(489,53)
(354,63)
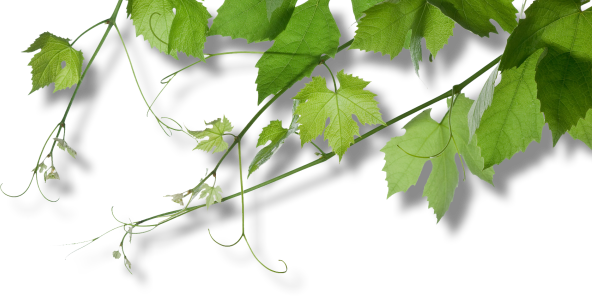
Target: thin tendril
(157,96)
(39,187)
(99,23)
(223,245)
(152,30)
(286,265)
(90,241)
(454,95)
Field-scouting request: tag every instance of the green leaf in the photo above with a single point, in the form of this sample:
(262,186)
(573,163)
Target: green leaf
(272,5)
(311,32)
(583,130)
(317,103)
(360,6)
(514,119)
(385,27)
(563,77)
(253,20)
(482,103)
(425,137)
(47,64)
(214,134)
(184,29)
(275,133)
(475,15)
(212,194)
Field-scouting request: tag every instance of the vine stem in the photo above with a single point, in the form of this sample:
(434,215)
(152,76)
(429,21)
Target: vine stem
(327,156)
(112,21)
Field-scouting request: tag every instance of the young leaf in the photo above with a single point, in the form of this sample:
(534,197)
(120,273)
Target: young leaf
(40,167)
(253,20)
(184,29)
(482,103)
(212,194)
(311,32)
(275,133)
(564,75)
(51,173)
(583,130)
(178,198)
(196,191)
(190,194)
(116,254)
(64,146)
(47,63)
(317,103)
(424,137)
(214,134)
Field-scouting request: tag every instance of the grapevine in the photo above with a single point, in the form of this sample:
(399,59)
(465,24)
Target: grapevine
(542,77)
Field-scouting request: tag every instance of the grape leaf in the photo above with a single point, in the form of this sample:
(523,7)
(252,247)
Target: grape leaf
(475,15)
(385,27)
(583,130)
(184,29)
(51,173)
(47,63)
(514,119)
(64,146)
(253,20)
(214,134)
(425,137)
(212,194)
(275,133)
(317,103)
(483,102)
(197,190)
(311,32)
(564,78)
(272,5)
(118,256)
(359,6)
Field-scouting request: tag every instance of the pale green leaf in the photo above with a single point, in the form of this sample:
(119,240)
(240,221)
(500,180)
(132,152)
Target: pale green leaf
(317,103)
(215,141)
(177,198)
(275,133)
(47,63)
(483,102)
(426,137)
(212,194)
(116,254)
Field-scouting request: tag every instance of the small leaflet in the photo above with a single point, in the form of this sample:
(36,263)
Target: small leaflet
(116,254)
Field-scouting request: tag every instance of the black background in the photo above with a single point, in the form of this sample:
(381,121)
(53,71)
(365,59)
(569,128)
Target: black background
(538,209)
